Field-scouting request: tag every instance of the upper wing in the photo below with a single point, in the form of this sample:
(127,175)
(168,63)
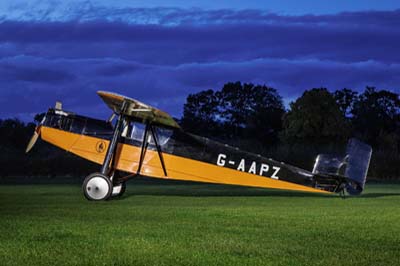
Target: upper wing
(137,109)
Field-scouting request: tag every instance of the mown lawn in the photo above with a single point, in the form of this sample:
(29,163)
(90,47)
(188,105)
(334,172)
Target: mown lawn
(195,224)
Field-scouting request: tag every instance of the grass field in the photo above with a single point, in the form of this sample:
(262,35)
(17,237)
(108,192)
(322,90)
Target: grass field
(195,224)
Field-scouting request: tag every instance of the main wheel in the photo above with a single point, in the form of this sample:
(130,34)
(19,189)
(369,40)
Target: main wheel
(97,187)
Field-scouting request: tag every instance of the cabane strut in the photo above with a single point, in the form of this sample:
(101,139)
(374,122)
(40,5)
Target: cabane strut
(111,150)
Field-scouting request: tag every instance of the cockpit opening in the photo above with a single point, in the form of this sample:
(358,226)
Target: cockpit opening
(133,130)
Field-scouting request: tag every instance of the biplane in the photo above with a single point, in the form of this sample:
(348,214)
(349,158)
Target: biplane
(141,140)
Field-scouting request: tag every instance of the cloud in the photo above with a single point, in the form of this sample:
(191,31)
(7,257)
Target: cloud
(160,55)
(194,43)
(34,74)
(84,11)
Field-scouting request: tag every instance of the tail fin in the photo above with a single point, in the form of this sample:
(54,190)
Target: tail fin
(358,156)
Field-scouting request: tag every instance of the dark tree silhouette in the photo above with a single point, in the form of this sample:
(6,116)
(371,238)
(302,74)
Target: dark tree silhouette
(345,98)
(376,113)
(14,133)
(237,111)
(315,117)
(251,111)
(200,113)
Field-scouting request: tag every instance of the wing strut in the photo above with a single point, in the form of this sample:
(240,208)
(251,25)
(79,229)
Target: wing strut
(145,143)
(143,150)
(153,133)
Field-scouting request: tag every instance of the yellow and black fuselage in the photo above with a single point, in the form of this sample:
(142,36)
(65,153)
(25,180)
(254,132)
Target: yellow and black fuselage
(185,156)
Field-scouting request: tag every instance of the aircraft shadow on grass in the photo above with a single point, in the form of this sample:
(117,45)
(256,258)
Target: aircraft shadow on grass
(194,189)
(207,190)
(379,195)
(204,192)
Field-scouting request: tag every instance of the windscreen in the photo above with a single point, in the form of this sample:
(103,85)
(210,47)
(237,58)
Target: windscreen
(135,131)
(328,164)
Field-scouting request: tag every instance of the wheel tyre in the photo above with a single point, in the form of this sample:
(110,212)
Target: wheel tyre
(97,187)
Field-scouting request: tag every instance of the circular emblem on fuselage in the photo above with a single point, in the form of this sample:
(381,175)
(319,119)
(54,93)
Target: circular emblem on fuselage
(100,146)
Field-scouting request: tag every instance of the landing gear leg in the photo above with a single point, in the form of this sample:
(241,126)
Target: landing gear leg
(99,186)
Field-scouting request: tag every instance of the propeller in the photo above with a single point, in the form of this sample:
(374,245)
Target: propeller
(32,141)
(36,133)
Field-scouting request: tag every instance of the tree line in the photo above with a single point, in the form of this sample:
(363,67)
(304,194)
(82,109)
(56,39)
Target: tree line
(254,118)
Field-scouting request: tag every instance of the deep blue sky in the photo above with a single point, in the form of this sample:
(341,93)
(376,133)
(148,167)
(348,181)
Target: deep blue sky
(158,53)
